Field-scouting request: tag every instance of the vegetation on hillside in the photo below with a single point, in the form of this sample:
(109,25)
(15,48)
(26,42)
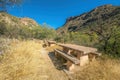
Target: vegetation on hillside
(23,28)
(104,15)
(99,28)
(106,39)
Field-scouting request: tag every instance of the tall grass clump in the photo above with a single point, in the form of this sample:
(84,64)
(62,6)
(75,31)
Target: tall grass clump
(27,60)
(102,69)
(21,61)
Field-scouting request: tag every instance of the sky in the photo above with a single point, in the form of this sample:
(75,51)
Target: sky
(55,12)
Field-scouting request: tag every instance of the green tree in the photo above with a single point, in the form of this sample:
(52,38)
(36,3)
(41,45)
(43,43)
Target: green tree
(109,38)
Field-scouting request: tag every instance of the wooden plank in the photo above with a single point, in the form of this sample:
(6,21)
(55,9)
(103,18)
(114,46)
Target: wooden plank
(68,57)
(84,50)
(52,42)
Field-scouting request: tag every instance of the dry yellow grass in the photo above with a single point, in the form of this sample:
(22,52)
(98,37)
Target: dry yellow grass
(20,61)
(27,60)
(108,69)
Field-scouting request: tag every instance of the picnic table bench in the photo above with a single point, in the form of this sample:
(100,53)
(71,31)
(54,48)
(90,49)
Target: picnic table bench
(80,55)
(49,43)
(75,55)
(68,57)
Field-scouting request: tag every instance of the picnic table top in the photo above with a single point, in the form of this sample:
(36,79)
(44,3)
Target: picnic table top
(52,41)
(83,49)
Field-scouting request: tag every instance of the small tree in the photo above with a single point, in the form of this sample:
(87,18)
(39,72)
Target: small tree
(109,37)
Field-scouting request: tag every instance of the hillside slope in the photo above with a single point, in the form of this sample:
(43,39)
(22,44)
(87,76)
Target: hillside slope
(15,27)
(103,15)
(15,21)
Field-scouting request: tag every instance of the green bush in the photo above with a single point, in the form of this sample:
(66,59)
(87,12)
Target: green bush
(24,32)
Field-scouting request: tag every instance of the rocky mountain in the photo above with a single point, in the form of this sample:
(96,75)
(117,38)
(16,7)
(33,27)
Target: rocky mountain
(100,16)
(15,21)
(23,28)
(15,27)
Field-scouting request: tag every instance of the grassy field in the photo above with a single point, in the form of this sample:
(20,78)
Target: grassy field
(102,69)
(27,60)
(20,61)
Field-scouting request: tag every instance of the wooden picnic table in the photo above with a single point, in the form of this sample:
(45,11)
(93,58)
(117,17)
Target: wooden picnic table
(49,43)
(52,42)
(76,54)
(82,53)
(83,49)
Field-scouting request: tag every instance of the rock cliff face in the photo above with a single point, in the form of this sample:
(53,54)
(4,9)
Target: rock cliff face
(103,15)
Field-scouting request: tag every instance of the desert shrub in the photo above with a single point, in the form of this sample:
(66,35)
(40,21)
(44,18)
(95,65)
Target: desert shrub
(2,28)
(109,40)
(77,38)
(25,32)
(43,33)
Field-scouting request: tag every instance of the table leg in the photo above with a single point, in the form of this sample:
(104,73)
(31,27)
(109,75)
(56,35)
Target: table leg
(65,50)
(70,66)
(84,60)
